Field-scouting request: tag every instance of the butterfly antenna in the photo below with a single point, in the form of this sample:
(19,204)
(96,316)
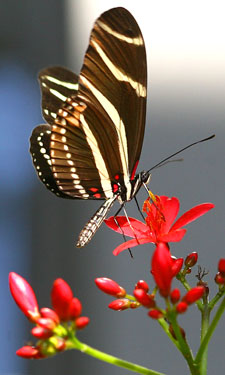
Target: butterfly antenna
(178,152)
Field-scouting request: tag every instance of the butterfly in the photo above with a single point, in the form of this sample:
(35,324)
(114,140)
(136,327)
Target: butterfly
(91,144)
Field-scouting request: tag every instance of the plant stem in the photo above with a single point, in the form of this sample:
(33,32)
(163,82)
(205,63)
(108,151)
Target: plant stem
(74,343)
(204,329)
(184,347)
(208,334)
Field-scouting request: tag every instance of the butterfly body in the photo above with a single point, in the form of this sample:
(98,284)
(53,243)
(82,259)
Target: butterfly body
(91,145)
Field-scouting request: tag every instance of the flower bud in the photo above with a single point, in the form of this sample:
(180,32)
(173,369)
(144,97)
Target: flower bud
(61,296)
(181,307)
(175,295)
(191,259)
(221,266)
(49,313)
(177,265)
(134,304)
(194,294)
(110,287)
(141,284)
(144,298)
(220,279)
(119,304)
(46,323)
(75,308)
(82,322)
(24,296)
(29,352)
(155,314)
(41,333)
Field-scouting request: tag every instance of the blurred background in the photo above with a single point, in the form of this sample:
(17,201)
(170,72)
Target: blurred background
(186,91)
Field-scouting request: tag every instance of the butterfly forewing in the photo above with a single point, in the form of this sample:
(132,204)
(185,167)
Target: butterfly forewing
(113,83)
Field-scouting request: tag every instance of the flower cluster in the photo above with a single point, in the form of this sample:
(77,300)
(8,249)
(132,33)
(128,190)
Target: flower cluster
(164,269)
(54,328)
(159,228)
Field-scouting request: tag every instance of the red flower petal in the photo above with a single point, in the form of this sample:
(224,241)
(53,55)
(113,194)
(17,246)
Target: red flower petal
(170,208)
(193,214)
(172,236)
(135,226)
(131,243)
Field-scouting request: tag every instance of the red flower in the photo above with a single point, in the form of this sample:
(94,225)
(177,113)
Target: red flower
(24,296)
(158,226)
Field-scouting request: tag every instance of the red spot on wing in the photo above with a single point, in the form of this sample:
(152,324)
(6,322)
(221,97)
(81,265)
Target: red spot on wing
(97,195)
(134,170)
(115,188)
(93,189)
(117,177)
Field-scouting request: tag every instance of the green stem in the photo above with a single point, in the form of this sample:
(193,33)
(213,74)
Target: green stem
(206,338)
(184,347)
(74,343)
(216,298)
(204,329)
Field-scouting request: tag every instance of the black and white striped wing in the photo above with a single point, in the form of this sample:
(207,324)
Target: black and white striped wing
(97,136)
(56,84)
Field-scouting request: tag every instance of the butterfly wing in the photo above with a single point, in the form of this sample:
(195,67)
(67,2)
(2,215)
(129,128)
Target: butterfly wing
(97,136)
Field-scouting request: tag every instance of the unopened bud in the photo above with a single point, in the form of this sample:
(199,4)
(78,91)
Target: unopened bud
(175,295)
(82,322)
(144,298)
(191,259)
(194,294)
(110,287)
(220,279)
(141,284)
(221,266)
(119,304)
(181,307)
(155,314)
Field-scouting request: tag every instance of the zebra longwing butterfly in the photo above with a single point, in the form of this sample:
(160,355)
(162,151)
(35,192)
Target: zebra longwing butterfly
(91,146)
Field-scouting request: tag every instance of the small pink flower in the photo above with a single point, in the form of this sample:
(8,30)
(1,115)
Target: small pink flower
(158,226)
(24,296)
